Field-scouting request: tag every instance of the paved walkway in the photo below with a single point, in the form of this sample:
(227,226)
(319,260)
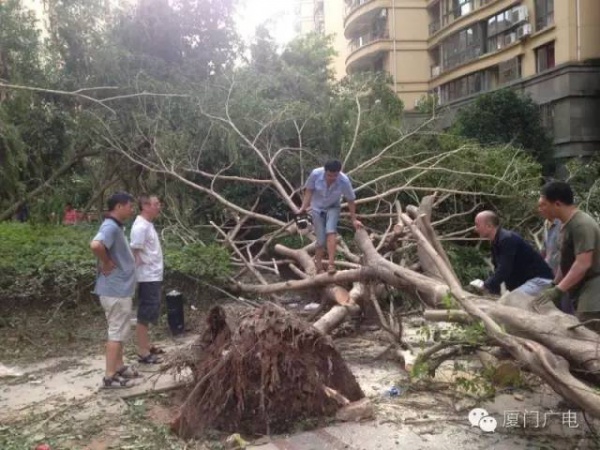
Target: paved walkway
(56,382)
(383,436)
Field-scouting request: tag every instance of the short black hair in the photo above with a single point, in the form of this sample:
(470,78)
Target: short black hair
(118,198)
(143,199)
(333,165)
(558,191)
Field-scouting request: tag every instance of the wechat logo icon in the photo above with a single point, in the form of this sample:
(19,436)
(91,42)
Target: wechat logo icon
(479,417)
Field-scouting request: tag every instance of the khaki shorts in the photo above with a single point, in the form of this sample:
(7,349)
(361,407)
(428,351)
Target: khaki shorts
(118,316)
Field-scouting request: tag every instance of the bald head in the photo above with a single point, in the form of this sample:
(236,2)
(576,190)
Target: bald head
(486,224)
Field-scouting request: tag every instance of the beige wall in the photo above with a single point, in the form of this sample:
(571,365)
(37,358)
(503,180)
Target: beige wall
(334,25)
(408,21)
(590,29)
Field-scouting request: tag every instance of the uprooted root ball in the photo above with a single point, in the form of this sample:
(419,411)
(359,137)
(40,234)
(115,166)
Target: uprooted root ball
(272,371)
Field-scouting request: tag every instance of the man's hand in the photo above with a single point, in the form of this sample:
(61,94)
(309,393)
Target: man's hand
(477,286)
(552,295)
(107,267)
(357,224)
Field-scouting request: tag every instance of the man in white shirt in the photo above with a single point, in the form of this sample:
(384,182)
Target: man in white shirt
(149,271)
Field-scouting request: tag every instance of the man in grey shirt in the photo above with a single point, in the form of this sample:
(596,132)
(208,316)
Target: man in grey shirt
(115,285)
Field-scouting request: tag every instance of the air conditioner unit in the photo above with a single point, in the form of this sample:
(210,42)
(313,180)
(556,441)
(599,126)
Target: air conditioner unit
(523,31)
(435,71)
(522,13)
(383,13)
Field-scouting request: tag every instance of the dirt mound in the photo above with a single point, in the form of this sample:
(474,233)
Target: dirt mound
(272,371)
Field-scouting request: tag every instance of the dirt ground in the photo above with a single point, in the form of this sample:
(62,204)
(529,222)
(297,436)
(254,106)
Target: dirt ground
(54,397)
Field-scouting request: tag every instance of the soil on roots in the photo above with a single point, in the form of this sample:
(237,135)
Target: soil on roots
(269,373)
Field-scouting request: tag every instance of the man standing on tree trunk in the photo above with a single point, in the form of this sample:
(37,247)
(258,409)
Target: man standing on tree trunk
(323,192)
(516,262)
(149,270)
(115,285)
(579,271)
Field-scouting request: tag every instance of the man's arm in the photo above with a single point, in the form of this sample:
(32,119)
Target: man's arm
(352,208)
(350,196)
(137,240)
(583,262)
(308,193)
(99,250)
(508,250)
(309,189)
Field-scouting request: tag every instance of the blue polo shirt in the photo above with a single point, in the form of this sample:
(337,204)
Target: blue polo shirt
(326,197)
(121,281)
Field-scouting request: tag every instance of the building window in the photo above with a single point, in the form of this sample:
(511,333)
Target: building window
(506,27)
(544,14)
(509,70)
(468,85)
(462,47)
(453,9)
(544,57)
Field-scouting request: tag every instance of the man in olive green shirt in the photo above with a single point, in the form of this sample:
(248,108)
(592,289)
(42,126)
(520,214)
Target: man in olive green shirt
(579,270)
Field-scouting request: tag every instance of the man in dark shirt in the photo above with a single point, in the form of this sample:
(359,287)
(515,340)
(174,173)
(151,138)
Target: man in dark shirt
(516,262)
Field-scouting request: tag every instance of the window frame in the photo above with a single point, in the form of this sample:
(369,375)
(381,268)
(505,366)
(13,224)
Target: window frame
(549,62)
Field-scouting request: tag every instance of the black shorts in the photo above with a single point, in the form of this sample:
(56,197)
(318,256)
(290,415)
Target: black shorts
(149,293)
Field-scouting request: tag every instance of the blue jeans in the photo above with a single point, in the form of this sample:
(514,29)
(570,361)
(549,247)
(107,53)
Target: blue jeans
(325,222)
(535,286)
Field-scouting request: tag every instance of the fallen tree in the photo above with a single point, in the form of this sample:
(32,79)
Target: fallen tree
(402,250)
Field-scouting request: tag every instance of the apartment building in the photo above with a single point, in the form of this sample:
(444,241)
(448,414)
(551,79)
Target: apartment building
(390,36)
(457,49)
(305,19)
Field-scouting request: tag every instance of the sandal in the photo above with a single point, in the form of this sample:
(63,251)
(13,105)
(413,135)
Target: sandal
(149,359)
(115,382)
(331,269)
(157,350)
(128,372)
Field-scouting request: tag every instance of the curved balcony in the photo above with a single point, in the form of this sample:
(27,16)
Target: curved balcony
(361,13)
(449,24)
(366,49)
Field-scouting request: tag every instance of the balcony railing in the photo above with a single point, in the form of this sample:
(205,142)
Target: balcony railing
(351,5)
(462,56)
(367,38)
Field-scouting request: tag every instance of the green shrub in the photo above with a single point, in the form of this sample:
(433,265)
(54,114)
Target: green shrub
(206,262)
(468,262)
(45,262)
(48,263)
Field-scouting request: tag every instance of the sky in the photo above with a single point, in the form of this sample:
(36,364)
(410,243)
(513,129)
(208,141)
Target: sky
(277,13)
